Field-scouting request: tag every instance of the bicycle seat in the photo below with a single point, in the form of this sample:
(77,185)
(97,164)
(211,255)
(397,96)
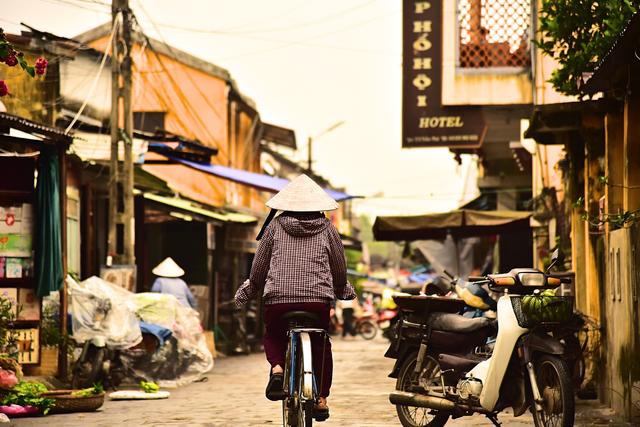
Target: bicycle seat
(301,319)
(449,322)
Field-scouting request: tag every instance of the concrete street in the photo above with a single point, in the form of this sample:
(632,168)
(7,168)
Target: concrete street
(234,396)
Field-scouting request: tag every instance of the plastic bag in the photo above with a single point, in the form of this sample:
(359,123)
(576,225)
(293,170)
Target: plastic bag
(183,358)
(103,311)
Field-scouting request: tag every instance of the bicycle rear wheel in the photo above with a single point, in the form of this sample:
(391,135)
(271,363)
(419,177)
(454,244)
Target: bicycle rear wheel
(297,407)
(289,404)
(306,390)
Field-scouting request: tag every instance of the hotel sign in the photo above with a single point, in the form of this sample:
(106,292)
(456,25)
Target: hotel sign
(425,121)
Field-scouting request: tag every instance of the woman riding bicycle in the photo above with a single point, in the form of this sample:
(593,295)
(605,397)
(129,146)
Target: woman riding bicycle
(299,265)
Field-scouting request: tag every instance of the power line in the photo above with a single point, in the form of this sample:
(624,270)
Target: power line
(195,85)
(297,42)
(301,42)
(77,6)
(270,18)
(326,18)
(116,24)
(177,88)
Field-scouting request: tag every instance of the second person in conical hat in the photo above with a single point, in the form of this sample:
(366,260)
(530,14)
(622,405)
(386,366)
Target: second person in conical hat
(299,265)
(169,282)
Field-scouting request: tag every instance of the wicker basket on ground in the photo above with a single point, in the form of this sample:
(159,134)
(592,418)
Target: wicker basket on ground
(65,402)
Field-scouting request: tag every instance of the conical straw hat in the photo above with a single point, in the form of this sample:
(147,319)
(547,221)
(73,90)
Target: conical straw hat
(168,268)
(302,195)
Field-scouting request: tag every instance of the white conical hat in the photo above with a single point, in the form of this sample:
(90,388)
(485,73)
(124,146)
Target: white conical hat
(168,268)
(302,195)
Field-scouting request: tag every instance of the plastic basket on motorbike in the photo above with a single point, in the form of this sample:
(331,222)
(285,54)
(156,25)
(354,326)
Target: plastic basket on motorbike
(536,301)
(533,310)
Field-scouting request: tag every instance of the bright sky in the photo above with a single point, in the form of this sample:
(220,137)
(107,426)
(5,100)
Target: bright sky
(307,64)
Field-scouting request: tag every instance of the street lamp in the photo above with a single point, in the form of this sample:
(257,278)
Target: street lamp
(310,142)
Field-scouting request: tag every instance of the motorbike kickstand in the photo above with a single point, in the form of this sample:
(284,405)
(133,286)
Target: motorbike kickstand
(494,419)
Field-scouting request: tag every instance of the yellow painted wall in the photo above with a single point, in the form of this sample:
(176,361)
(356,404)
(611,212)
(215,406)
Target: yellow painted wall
(459,87)
(27,95)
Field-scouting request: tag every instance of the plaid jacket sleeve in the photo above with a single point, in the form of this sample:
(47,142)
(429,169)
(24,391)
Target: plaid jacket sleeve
(341,286)
(259,269)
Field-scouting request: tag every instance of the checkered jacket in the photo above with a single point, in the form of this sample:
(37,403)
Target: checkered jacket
(299,259)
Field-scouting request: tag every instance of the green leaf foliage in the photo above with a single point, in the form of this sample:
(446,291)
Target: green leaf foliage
(578,34)
(28,394)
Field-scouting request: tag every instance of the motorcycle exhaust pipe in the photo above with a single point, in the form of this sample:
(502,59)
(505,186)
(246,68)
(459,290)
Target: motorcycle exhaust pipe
(432,402)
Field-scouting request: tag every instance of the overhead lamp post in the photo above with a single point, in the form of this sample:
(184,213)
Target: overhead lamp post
(311,139)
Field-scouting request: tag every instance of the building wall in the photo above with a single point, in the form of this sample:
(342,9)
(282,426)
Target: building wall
(196,105)
(28,97)
(622,369)
(477,87)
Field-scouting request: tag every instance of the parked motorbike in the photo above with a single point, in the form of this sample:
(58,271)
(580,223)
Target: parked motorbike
(112,339)
(444,367)
(573,334)
(99,363)
(388,323)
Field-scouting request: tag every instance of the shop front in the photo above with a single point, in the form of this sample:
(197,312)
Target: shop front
(33,239)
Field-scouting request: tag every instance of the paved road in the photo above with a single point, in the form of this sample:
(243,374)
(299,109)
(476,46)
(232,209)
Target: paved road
(234,396)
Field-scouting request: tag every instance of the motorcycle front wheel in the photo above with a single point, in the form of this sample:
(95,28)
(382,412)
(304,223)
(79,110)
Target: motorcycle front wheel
(556,389)
(411,416)
(88,368)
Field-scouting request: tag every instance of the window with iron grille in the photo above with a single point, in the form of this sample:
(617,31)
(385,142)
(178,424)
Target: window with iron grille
(494,33)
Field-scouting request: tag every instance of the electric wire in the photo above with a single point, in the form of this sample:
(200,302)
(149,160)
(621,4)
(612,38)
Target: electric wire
(195,85)
(78,6)
(116,23)
(322,20)
(301,42)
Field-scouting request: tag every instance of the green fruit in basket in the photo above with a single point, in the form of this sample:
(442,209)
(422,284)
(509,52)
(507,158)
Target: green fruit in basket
(544,315)
(548,293)
(566,310)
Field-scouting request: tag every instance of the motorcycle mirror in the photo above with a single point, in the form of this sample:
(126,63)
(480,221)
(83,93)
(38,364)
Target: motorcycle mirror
(557,257)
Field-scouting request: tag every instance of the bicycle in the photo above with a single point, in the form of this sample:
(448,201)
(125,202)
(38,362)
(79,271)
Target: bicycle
(300,385)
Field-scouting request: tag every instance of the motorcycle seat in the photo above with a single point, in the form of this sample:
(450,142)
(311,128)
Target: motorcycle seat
(450,322)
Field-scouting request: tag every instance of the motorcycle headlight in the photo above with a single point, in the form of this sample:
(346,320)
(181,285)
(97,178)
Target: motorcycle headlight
(532,279)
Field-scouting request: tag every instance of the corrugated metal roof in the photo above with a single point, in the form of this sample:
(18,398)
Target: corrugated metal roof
(172,52)
(95,146)
(25,125)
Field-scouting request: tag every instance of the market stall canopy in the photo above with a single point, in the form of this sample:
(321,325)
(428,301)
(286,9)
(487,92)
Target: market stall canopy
(190,207)
(459,223)
(256,180)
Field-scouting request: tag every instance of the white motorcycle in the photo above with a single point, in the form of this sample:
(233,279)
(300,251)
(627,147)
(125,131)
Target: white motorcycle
(449,366)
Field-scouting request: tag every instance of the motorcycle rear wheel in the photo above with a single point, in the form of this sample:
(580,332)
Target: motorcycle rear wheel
(411,416)
(556,389)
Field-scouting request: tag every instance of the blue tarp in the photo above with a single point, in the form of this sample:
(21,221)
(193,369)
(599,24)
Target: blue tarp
(257,180)
(161,333)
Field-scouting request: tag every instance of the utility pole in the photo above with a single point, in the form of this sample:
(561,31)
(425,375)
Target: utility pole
(121,214)
(310,144)
(309,151)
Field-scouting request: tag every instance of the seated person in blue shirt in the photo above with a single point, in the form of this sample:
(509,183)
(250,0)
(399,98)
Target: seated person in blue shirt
(169,282)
